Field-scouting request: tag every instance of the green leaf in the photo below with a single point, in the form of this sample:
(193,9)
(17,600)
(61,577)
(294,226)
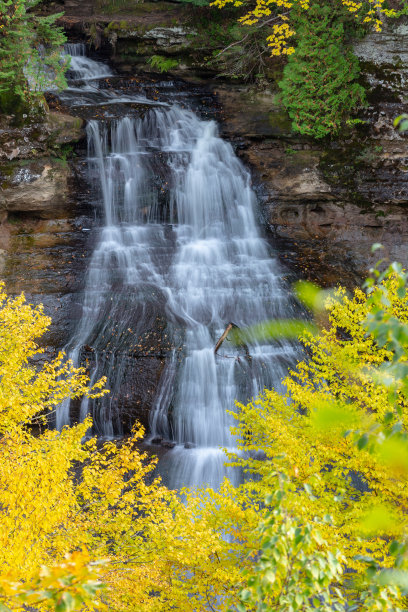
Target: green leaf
(245,595)
(379,520)
(394,547)
(308,489)
(363,441)
(291,329)
(310,295)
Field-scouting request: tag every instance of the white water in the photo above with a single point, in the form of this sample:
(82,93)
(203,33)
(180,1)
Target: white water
(84,68)
(83,77)
(200,259)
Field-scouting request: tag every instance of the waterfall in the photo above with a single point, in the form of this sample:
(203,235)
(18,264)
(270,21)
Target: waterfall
(222,271)
(180,241)
(82,67)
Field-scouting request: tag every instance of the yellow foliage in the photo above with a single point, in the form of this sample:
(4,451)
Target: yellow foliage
(67,503)
(357,498)
(274,14)
(89,526)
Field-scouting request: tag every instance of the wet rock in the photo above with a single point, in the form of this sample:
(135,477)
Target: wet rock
(168,444)
(384,58)
(63,128)
(38,139)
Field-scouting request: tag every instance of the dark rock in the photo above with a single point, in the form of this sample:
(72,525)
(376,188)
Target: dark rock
(38,139)
(168,444)
(63,129)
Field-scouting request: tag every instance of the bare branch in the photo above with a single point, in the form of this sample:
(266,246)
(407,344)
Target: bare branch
(258,27)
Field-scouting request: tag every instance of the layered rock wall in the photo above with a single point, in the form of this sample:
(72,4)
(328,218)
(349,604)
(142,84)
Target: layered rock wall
(43,247)
(333,199)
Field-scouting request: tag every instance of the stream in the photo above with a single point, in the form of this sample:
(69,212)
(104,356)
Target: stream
(179,255)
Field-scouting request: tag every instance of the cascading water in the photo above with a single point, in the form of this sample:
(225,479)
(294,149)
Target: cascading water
(222,272)
(82,67)
(195,257)
(84,77)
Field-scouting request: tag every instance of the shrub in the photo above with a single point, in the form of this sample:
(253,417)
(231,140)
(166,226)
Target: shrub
(319,85)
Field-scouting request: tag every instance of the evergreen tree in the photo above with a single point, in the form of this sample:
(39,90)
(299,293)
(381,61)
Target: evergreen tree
(30,55)
(319,85)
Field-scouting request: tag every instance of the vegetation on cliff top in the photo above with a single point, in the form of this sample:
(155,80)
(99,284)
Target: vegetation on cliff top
(278,15)
(320,84)
(30,56)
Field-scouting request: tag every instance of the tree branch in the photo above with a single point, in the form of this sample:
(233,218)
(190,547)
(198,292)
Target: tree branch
(258,27)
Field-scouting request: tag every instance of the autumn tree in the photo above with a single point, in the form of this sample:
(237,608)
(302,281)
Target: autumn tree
(330,458)
(276,16)
(85,525)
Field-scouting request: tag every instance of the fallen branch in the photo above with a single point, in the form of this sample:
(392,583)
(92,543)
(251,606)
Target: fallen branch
(225,334)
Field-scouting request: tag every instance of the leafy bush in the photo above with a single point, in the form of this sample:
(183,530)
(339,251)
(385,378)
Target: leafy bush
(319,85)
(199,3)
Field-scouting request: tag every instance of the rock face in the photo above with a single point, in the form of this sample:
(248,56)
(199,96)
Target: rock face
(384,57)
(36,139)
(43,249)
(333,200)
(40,187)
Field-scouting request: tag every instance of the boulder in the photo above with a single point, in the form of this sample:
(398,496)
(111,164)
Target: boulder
(39,187)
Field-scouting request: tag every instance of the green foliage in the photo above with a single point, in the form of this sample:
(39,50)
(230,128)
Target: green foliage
(294,571)
(245,55)
(273,330)
(162,64)
(30,55)
(319,85)
(401,123)
(199,3)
